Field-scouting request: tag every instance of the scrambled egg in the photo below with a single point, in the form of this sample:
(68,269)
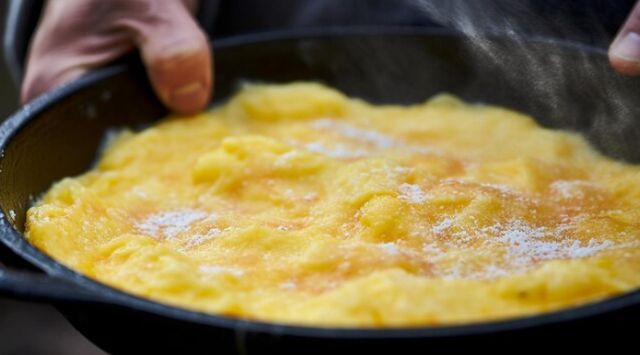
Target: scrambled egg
(296,204)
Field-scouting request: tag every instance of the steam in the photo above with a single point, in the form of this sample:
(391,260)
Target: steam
(563,88)
(520,20)
(612,116)
(514,18)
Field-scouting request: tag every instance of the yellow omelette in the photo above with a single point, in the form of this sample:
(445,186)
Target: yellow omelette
(295,204)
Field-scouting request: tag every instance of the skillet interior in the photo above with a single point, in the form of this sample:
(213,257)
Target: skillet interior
(562,85)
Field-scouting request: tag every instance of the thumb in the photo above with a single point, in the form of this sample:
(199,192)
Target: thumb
(624,53)
(177,56)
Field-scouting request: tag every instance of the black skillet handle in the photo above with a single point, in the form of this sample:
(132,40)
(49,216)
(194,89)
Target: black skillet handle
(30,286)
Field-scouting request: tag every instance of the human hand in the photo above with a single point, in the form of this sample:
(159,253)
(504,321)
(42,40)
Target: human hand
(76,36)
(624,53)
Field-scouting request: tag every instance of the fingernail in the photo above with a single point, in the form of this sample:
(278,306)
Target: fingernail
(627,48)
(189,98)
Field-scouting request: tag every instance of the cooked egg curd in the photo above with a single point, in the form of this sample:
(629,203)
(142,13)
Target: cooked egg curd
(295,204)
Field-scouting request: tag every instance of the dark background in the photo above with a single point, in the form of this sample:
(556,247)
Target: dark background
(8,92)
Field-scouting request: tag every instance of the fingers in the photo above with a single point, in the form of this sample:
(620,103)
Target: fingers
(48,68)
(68,42)
(76,36)
(624,53)
(45,67)
(176,54)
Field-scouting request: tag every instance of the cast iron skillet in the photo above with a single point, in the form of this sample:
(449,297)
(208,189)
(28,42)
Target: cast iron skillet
(563,85)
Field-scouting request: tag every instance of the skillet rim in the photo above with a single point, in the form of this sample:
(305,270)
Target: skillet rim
(15,240)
